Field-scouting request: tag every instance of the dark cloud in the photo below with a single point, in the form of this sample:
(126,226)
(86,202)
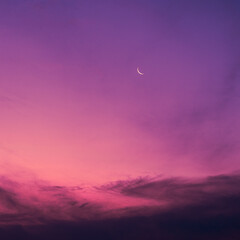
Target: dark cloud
(193,209)
(179,191)
(38,204)
(8,199)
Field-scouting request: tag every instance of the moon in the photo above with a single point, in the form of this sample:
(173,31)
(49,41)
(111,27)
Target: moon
(139,72)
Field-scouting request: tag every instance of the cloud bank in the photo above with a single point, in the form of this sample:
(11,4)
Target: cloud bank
(184,209)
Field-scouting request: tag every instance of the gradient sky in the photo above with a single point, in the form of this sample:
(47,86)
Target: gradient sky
(75,112)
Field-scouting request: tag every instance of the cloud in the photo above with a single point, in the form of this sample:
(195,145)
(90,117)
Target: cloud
(181,192)
(36,203)
(193,209)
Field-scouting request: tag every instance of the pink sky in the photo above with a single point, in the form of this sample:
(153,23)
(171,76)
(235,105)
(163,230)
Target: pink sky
(75,112)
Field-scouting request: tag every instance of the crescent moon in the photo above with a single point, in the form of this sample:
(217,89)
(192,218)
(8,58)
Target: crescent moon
(139,72)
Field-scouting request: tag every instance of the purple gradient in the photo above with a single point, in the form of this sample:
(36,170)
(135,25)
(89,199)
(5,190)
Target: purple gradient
(75,112)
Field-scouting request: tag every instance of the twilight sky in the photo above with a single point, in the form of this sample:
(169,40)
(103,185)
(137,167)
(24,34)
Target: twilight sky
(75,112)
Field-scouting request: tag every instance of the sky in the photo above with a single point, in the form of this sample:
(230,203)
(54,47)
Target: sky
(80,127)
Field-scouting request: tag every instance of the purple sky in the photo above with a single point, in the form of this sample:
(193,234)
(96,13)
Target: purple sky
(72,98)
(75,112)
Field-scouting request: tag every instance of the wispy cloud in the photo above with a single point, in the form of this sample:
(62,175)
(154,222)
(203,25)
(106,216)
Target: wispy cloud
(179,192)
(196,209)
(38,204)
